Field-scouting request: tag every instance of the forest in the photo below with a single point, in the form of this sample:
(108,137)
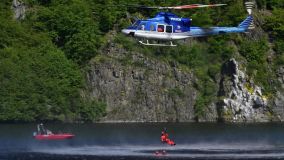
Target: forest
(44,56)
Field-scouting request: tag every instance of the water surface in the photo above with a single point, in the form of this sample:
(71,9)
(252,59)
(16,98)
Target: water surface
(141,141)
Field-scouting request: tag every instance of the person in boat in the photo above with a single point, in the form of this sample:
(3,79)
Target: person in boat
(48,132)
(42,130)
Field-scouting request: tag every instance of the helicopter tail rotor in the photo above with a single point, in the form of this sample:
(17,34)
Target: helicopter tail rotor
(249,7)
(248,22)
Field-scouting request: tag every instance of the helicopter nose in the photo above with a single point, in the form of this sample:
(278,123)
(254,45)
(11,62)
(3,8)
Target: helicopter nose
(125,31)
(129,32)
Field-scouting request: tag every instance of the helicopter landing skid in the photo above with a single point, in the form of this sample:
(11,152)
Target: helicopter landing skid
(158,44)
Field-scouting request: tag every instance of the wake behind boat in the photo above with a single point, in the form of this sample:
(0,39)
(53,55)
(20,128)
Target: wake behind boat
(45,134)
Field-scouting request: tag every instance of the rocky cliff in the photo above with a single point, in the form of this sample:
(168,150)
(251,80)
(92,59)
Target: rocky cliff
(231,78)
(141,89)
(144,89)
(278,101)
(19,9)
(241,99)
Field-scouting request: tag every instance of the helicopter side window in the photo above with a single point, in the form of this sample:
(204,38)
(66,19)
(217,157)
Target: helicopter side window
(161,28)
(169,29)
(152,28)
(142,26)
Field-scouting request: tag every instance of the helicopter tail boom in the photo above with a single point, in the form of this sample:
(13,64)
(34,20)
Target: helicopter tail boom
(247,23)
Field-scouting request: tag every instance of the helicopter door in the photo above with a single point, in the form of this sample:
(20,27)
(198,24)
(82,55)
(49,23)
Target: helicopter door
(169,29)
(161,28)
(152,27)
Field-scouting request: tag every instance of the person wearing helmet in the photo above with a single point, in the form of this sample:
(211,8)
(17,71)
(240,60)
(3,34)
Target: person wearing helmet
(163,138)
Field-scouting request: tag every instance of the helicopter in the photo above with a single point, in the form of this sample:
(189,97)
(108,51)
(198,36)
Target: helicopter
(167,27)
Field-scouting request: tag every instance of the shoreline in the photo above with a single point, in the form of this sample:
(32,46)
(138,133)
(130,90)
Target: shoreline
(142,122)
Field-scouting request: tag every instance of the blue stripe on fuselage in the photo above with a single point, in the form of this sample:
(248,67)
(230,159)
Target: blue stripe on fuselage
(199,31)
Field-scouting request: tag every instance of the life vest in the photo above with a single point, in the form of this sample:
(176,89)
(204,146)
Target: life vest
(166,135)
(163,138)
(167,140)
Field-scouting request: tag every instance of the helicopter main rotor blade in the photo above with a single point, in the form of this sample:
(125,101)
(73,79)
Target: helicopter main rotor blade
(192,6)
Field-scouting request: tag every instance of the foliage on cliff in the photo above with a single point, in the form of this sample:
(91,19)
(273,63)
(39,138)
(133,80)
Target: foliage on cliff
(38,81)
(42,57)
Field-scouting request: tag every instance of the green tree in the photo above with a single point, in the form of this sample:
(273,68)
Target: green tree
(71,26)
(274,24)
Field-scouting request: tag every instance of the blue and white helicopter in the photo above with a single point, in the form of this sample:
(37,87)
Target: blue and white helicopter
(166,26)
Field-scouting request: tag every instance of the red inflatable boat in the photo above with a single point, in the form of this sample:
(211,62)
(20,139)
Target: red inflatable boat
(45,134)
(54,136)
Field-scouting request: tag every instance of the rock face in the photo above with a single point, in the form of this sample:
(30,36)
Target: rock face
(137,88)
(19,9)
(241,100)
(278,107)
(140,89)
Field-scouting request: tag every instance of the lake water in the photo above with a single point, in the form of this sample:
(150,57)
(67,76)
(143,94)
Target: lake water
(142,140)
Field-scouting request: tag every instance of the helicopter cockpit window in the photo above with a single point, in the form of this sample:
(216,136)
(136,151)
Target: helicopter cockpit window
(161,28)
(169,29)
(142,26)
(136,24)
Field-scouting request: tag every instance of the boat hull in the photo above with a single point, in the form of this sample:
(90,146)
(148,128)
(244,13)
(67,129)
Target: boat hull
(54,136)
